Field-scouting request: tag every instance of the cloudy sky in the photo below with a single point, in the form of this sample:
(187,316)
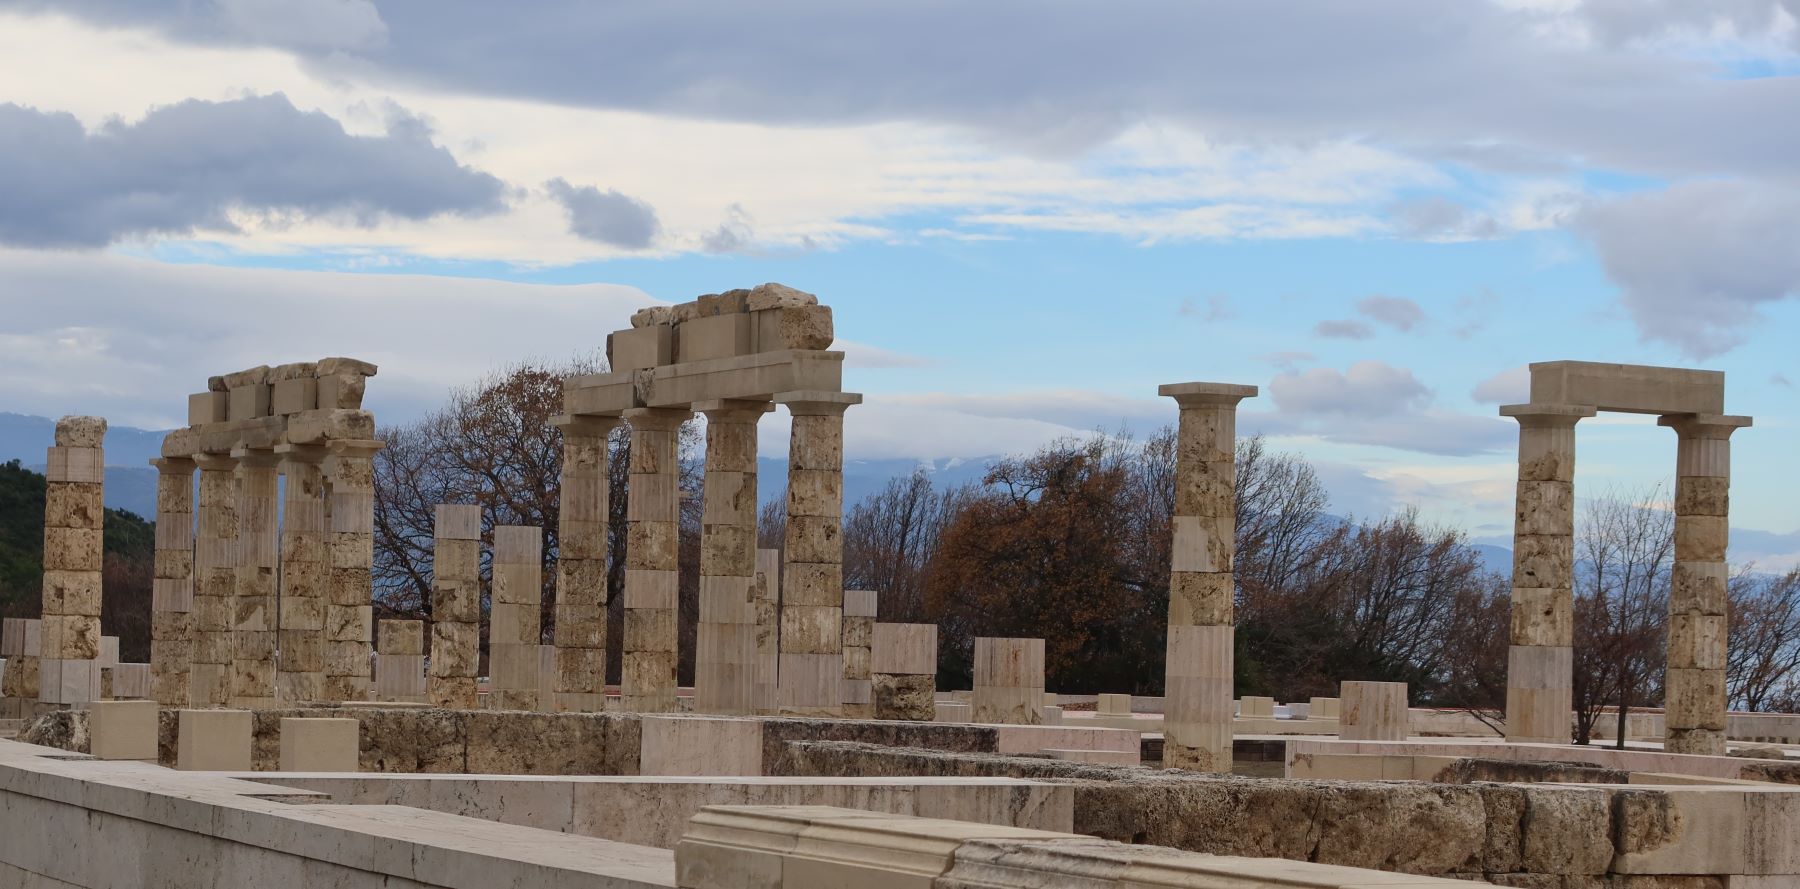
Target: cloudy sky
(1027,214)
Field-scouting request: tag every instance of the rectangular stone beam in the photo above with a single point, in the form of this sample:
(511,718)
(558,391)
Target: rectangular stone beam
(754,377)
(1628,388)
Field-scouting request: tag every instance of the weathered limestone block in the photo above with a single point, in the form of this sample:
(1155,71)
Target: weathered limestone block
(1373,711)
(1009,681)
(648,672)
(904,696)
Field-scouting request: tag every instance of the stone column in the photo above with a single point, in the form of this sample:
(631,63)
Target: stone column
(1540,667)
(903,670)
(725,640)
(581,594)
(859,627)
(172,590)
(455,606)
(74,511)
(253,621)
(811,672)
(1009,681)
(349,616)
(305,567)
(1198,674)
(400,665)
(215,581)
(1694,687)
(765,590)
(652,513)
(515,627)
(1373,711)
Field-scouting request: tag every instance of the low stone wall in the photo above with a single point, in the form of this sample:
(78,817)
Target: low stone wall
(1560,836)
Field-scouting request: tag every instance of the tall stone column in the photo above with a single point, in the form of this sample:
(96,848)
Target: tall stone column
(652,545)
(725,640)
(74,512)
(172,589)
(765,593)
(812,573)
(1694,687)
(253,621)
(581,594)
(1540,667)
(215,581)
(515,624)
(305,570)
(455,606)
(350,520)
(1198,673)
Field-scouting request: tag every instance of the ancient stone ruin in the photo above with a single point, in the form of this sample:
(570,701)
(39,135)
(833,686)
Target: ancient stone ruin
(260,748)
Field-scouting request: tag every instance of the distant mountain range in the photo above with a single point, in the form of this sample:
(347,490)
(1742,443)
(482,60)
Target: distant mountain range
(130,480)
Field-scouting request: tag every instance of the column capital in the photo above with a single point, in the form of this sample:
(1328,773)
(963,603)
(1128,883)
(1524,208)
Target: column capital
(733,410)
(656,418)
(817,402)
(1703,425)
(256,458)
(353,447)
(170,465)
(1206,394)
(1547,415)
(596,425)
(301,453)
(215,462)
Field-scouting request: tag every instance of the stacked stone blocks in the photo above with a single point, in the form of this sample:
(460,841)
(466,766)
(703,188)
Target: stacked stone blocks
(812,572)
(305,571)
(172,588)
(74,511)
(515,632)
(725,660)
(652,560)
(859,628)
(253,632)
(581,576)
(400,662)
(1009,681)
(455,606)
(903,670)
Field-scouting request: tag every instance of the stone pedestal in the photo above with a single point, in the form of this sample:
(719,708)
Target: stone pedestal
(765,590)
(1256,707)
(68,672)
(320,745)
(1198,676)
(1113,705)
(1373,711)
(725,640)
(581,593)
(213,740)
(349,618)
(1540,663)
(859,627)
(253,623)
(652,586)
(455,606)
(215,581)
(812,575)
(903,670)
(400,661)
(172,589)
(1694,687)
(515,629)
(122,730)
(1009,681)
(305,567)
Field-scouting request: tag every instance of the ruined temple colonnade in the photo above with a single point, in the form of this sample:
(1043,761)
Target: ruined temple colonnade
(1540,664)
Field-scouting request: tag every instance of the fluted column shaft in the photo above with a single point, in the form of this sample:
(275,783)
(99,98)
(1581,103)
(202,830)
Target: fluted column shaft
(253,621)
(350,536)
(1694,686)
(1199,667)
(581,594)
(455,606)
(215,581)
(811,673)
(725,640)
(172,589)
(652,547)
(305,567)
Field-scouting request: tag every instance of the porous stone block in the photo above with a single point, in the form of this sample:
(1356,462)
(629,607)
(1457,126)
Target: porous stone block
(80,432)
(123,730)
(793,327)
(213,740)
(903,695)
(402,637)
(319,745)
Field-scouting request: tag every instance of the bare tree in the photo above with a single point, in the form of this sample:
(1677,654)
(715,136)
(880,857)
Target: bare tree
(1762,667)
(1624,550)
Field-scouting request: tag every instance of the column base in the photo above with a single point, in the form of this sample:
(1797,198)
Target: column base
(1539,697)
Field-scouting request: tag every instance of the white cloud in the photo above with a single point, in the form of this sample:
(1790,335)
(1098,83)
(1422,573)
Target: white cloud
(1371,403)
(1397,312)
(1510,386)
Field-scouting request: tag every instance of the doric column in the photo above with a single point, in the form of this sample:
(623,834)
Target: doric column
(652,544)
(74,511)
(1694,687)
(725,640)
(1198,673)
(515,625)
(253,621)
(215,581)
(765,593)
(860,609)
(350,522)
(812,572)
(172,590)
(1540,668)
(581,594)
(305,567)
(455,606)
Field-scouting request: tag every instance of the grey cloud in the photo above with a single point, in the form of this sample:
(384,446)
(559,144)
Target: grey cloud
(188,166)
(1397,312)
(1695,262)
(606,216)
(1345,329)
(1440,218)
(306,25)
(1624,21)
(1403,73)
(1371,403)
(732,235)
(1780,379)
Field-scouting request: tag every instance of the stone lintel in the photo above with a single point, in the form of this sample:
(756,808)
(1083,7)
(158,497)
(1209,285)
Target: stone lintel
(1187,394)
(354,447)
(176,464)
(662,418)
(596,425)
(302,453)
(256,458)
(755,376)
(733,405)
(1629,388)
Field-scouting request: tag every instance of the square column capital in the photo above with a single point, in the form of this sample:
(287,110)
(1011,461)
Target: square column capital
(665,419)
(595,425)
(1704,425)
(1193,395)
(173,465)
(817,403)
(1547,415)
(733,410)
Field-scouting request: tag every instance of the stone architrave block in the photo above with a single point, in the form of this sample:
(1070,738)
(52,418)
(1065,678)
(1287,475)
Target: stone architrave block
(640,348)
(123,730)
(208,407)
(213,740)
(320,745)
